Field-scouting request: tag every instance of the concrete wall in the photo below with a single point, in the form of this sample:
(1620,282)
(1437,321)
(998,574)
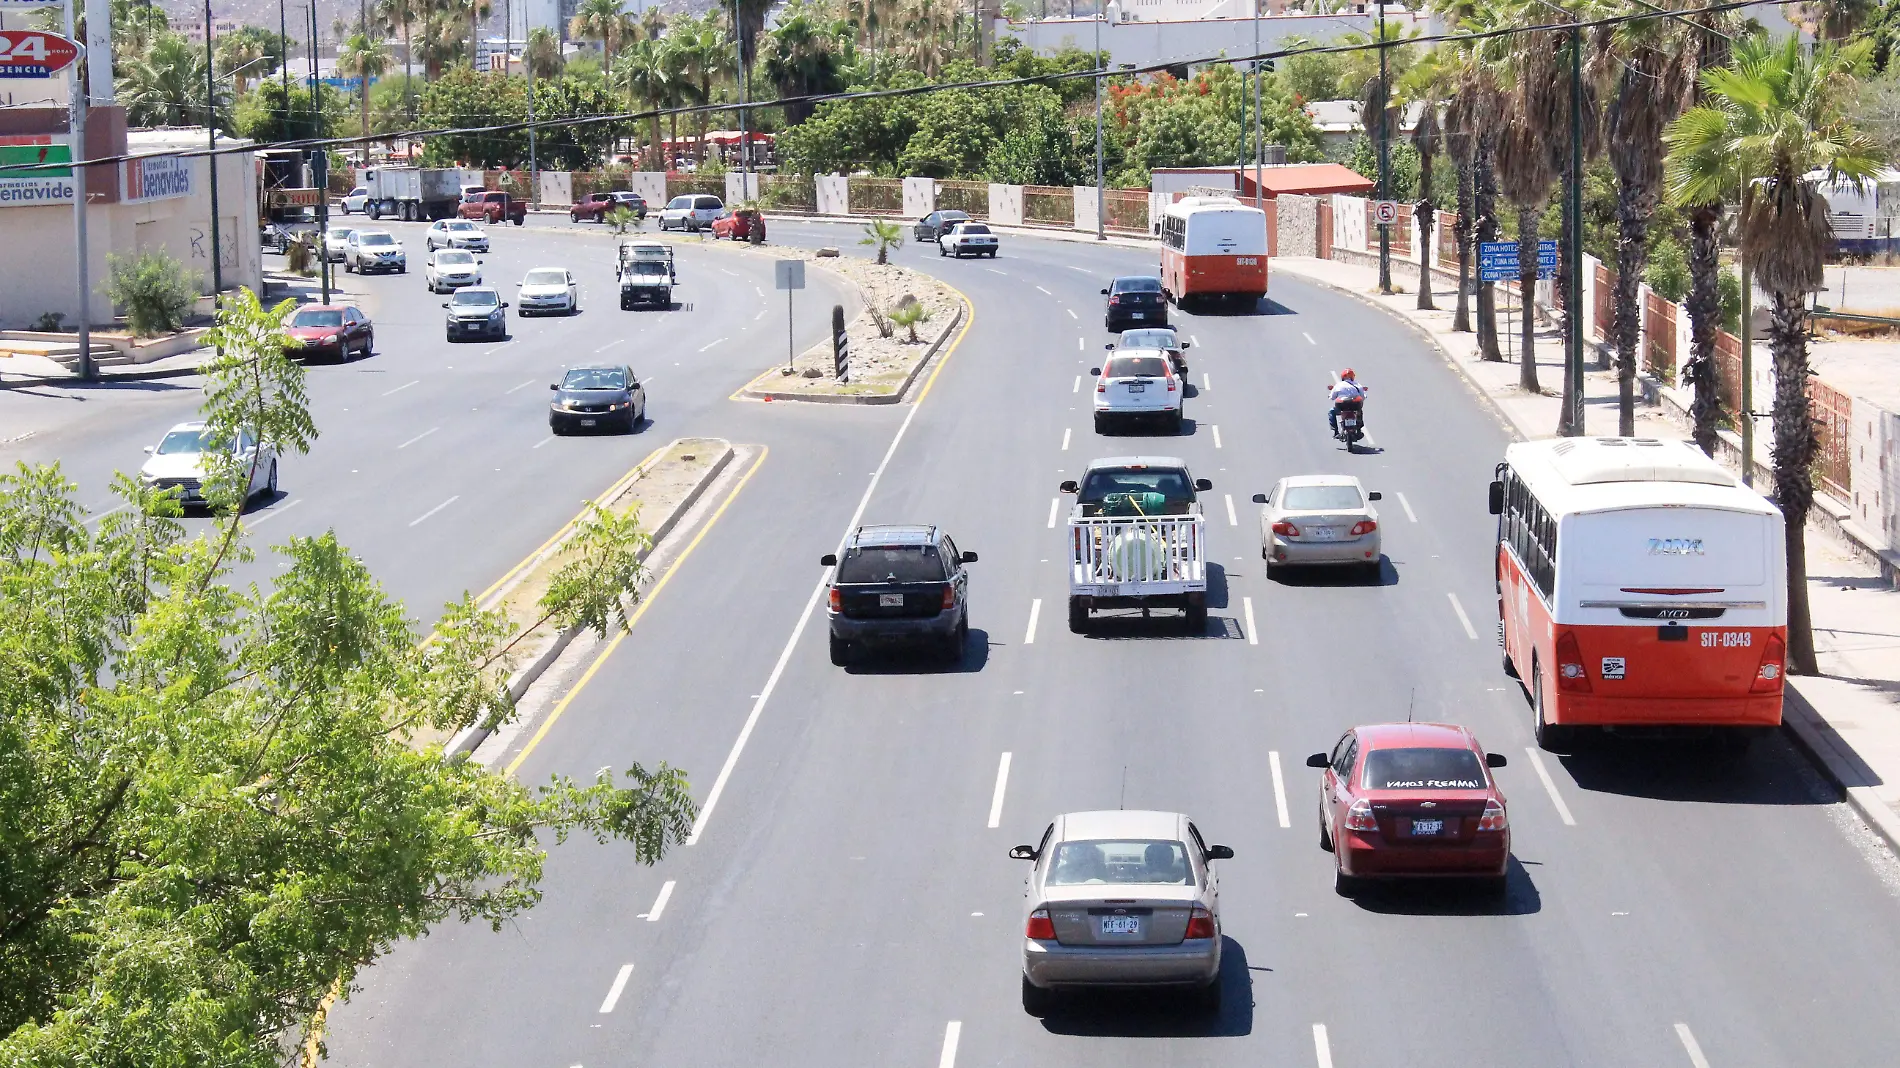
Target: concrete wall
(1085,213)
(833,194)
(1298,218)
(1006,204)
(651,185)
(557,189)
(920,197)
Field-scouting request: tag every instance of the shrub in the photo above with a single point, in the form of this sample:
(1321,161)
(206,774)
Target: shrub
(154,290)
(48,322)
(1668,269)
(300,258)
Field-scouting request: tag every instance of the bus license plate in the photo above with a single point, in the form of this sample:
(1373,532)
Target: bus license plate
(1121,925)
(1428,827)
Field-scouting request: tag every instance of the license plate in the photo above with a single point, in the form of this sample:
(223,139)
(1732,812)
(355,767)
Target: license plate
(1137,387)
(1121,925)
(1137,315)
(890,600)
(587,422)
(1425,827)
(1324,534)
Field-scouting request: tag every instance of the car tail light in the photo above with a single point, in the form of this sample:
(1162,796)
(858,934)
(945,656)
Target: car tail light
(1768,676)
(1200,923)
(1040,926)
(1364,526)
(1170,383)
(1286,529)
(1101,387)
(837,600)
(1359,816)
(1494,818)
(949,596)
(1572,676)
(1115,298)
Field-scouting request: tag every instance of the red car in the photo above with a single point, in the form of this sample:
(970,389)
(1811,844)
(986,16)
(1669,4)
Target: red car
(1412,799)
(328,331)
(595,206)
(743,224)
(493,208)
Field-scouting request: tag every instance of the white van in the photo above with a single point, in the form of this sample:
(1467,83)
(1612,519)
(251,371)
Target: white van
(691,212)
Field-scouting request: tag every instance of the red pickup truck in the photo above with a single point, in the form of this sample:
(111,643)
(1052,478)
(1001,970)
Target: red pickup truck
(494,208)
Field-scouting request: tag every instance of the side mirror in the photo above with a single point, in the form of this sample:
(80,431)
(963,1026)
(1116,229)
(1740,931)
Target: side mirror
(1186,345)
(553,386)
(445,304)
(1497,498)
(1317,760)
(1494,760)
(1069,486)
(1110,346)
(829,560)
(1022,852)
(1104,292)
(1259,498)
(504,304)
(969,558)
(1095,371)
(1202,485)
(1375,495)
(1220,852)
(151,448)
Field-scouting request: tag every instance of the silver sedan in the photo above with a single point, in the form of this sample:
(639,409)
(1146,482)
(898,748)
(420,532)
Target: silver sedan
(1121,898)
(1319,519)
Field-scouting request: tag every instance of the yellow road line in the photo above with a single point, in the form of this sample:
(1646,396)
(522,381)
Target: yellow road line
(578,516)
(645,603)
(969,319)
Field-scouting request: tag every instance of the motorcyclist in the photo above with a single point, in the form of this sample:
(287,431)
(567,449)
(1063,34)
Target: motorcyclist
(1344,392)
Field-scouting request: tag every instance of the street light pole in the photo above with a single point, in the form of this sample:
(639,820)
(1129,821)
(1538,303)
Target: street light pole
(320,161)
(1100,231)
(1385,163)
(745,92)
(80,99)
(1573,205)
(283,60)
(211,164)
(1259,130)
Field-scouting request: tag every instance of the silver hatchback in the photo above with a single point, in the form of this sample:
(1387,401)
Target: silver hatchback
(1121,898)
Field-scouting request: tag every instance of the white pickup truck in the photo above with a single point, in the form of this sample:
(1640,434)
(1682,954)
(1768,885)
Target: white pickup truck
(646,273)
(1137,539)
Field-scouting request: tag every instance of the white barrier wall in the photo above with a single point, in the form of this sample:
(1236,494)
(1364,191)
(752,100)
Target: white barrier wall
(557,189)
(920,197)
(1349,222)
(651,185)
(1085,207)
(741,188)
(1006,204)
(833,194)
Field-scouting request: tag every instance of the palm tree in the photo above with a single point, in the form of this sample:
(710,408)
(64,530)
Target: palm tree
(1424,85)
(1778,113)
(701,50)
(751,23)
(388,16)
(604,21)
(645,76)
(1833,20)
(653,23)
(886,235)
(1463,122)
(542,53)
(166,85)
(237,51)
(805,56)
(1658,69)
(1527,168)
(364,58)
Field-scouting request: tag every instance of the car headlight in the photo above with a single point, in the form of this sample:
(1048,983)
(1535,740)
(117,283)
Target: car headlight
(330,340)
(496,314)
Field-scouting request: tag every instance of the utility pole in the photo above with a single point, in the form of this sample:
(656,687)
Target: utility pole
(1259,130)
(1573,204)
(80,93)
(1100,231)
(319,161)
(1385,163)
(211,164)
(283,61)
(534,167)
(745,147)
(1745,418)
(362,73)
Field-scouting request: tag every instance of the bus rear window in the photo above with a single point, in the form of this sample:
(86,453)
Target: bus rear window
(1669,548)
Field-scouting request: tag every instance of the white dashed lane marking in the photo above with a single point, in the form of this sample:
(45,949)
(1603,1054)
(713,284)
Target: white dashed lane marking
(1463,619)
(1035,612)
(1550,786)
(1407,505)
(613,992)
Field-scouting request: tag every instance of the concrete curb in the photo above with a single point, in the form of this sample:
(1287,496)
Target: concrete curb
(898,395)
(9,381)
(1815,737)
(471,737)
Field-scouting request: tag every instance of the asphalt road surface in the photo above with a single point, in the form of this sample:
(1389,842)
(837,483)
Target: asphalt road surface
(847,899)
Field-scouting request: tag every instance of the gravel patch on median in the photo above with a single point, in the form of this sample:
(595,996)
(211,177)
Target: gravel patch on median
(880,365)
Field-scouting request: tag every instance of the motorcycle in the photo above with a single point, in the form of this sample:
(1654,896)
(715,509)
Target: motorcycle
(1352,422)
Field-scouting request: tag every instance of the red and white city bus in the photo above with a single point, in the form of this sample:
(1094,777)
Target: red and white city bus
(1214,248)
(1640,586)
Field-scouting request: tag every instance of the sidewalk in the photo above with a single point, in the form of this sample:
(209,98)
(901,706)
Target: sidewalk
(1848,717)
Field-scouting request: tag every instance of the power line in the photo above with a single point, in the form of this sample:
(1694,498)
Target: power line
(886,94)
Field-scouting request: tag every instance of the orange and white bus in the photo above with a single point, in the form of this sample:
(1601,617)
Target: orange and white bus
(1640,587)
(1213,248)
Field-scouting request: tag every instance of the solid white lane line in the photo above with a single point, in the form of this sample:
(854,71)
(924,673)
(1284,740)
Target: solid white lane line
(1084,270)
(1217,435)
(613,992)
(1002,785)
(1054,504)
(1253,636)
(1071,312)
(1550,786)
(659,903)
(1044,292)
(1308,337)
(273,513)
(523,385)
(1462,618)
(418,437)
(418,520)
(1194,339)
(710,344)
(1207,380)
(951,1033)
(1279,788)
(1065,439)
(785,654)
(1409,514)
(609,345)
(1035,612)
(735,274)
(1322,1049)
(1232,519)
(993,270)
(402,387)
(1077,388)
(543,441)
(91,519)
(1693,1047)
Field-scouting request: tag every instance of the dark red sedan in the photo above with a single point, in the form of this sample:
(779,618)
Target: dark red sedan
(1412,799)
(328,332)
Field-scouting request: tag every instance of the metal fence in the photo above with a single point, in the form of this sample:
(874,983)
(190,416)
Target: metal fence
(1126,210)
(1659,333)
(1049,205)
(1728,370)
(1833,422)
(1605,310)
(788,192)
(971,198)
(877,196)
(678,184)
(1448,240)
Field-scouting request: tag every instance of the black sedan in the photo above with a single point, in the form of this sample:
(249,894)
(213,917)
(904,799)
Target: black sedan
(1135,300)
(603,397)
(938,223)
(899,585)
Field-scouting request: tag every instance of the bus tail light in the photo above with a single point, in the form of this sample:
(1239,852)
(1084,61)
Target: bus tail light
(1494,818)
(1572,676)
(1768,676)
(1359,816)
(1286,529)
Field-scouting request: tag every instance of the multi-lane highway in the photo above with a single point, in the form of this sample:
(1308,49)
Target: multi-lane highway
(846,898)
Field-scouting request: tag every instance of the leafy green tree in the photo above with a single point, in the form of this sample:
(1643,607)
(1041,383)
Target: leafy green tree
(262,114)
(164,86)
(215,800)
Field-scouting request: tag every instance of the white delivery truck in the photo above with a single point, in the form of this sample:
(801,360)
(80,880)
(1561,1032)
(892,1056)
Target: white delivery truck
(1137,539)
(412,193)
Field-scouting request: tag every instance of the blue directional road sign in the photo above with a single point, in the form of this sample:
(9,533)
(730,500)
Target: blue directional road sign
(1497,260)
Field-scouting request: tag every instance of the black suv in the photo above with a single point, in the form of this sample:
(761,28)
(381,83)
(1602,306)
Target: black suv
(1137,300)
(899,585)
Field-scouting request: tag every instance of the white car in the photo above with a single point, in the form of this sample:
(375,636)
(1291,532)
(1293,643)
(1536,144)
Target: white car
(456,233)
(1157,337)
(178,460)
(374,250)
(357,200)
(1319,519)
(335,241)
(691,212)
(547,290)
(450,269)
(1137,385)
(970,238)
